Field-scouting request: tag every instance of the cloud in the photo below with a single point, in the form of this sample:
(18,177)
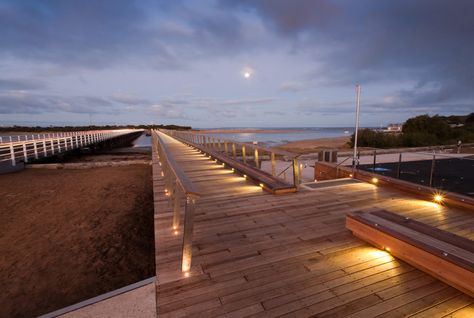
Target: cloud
(100,34)
(293,87)
(28,103)
(254,101)
(20,84)
(371,42)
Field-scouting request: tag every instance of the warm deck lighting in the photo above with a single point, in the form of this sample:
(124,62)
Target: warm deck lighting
(186,274)
(261,185)
(387,249)
(245,176)
(175,232)
(375,180)
(438,198)
(232,169)
(351,175)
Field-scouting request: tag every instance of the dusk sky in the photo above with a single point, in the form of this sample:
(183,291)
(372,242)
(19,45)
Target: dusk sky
(269,63)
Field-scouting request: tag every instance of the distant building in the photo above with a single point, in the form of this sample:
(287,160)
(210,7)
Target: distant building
(394,128)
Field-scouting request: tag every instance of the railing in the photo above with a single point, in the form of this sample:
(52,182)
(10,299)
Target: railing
(250,154)
(25,148)
(178,186)
(439,169)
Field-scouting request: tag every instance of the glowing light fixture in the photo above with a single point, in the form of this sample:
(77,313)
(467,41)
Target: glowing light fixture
(375,180)
(261,185)
(186,274)
(438,198)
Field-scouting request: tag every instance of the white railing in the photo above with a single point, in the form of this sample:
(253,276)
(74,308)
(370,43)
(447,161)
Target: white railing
(23,148)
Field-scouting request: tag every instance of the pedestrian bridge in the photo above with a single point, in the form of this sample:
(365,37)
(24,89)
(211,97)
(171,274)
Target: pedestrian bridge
(18,150)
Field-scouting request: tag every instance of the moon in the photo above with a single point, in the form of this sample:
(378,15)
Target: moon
(247,72)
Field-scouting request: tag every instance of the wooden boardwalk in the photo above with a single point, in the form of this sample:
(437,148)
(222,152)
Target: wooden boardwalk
(262,255)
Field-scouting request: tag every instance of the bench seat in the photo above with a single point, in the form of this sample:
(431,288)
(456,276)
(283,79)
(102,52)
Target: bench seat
(444,255)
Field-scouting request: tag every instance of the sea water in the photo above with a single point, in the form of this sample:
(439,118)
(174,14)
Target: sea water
(278,136)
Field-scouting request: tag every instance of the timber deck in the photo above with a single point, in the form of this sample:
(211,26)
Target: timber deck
(261,255)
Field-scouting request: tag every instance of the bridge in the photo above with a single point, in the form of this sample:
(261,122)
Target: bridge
(234,240)
(17,150)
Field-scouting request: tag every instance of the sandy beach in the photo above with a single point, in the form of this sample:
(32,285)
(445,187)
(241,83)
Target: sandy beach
(314,145)
(68,235)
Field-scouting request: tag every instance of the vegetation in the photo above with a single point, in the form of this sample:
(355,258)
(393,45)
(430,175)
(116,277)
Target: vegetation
(81,128)
(421,131)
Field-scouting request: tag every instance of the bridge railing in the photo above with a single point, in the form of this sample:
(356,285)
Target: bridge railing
(24,149)
(253,155)
(177,187)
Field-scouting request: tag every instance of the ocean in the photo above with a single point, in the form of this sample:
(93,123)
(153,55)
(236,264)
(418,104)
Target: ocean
(273,136)
(278,136)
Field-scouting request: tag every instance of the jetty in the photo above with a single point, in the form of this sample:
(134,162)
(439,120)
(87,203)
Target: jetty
(229,243)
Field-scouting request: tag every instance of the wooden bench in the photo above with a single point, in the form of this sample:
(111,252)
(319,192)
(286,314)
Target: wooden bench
(269,182)
(444,255)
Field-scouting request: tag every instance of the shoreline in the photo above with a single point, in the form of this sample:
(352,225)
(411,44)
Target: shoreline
(247,130)
(305,146)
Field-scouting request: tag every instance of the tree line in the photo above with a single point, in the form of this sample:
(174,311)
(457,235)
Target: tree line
(38,129)
(421,131)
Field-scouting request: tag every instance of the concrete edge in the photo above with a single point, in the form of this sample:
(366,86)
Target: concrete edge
(99,298)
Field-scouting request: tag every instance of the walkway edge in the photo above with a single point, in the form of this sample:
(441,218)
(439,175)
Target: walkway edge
(99,298)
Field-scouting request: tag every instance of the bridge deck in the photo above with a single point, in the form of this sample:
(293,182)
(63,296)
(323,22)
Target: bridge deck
(261,255)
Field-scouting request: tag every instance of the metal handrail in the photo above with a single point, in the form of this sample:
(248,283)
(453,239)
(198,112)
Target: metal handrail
(223,145)
(186,185)
(178,185)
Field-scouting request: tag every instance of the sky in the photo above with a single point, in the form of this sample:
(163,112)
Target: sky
(230,63)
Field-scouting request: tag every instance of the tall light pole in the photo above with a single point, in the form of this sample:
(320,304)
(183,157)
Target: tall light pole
(354,158)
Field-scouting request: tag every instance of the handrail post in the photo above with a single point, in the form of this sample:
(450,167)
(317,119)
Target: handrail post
(244,158)
(35,149)
(375,160)
(188,233)
(432,170)
(255,154)
(272,158)
(296,177)
(25,154)
(45,151)
(399,165)
(225,147)
(176,208)
(12,154)
(234,151)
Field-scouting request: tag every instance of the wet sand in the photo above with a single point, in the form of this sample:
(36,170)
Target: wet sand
(69,235)
(314,145)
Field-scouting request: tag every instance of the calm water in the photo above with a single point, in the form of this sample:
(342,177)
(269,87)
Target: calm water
(285,136)
(142,141)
